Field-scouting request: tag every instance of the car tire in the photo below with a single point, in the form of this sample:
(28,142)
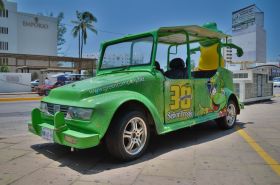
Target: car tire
(229,120)
(47,92)
(128,135)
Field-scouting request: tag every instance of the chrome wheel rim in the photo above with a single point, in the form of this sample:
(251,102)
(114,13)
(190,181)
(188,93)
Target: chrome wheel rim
(134,136)
(231,114)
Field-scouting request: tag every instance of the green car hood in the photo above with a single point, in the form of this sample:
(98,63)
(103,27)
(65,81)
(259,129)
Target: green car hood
(95,86)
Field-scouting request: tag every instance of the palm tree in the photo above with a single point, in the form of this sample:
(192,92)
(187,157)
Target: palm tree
(2,7)
(85,22)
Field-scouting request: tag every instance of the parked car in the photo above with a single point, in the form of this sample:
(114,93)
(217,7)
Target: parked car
(61,79)
(75,77)
(34,83)
(131,96)
(44,90)
(276,82)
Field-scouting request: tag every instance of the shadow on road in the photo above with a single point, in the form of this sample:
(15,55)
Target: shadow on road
(96,160)
(261,102)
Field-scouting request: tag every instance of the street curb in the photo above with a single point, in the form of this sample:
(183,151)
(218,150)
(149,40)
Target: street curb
(20,99)
(17,93)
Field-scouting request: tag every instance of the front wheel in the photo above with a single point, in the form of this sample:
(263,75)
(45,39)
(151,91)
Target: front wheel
(128,136)
(229,120)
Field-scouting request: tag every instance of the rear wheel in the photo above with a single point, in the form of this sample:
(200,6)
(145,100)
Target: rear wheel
(229,120)
(128,136)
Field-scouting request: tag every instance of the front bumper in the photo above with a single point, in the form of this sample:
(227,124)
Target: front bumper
(61,133)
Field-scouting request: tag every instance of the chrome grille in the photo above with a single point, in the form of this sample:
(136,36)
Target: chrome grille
(63,108)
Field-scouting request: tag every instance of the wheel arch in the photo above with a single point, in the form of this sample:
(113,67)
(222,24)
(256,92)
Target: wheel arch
(109,105)
(233,97)
(137,105)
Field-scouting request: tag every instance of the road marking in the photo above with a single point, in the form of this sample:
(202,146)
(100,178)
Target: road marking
(266,157)
(19,99)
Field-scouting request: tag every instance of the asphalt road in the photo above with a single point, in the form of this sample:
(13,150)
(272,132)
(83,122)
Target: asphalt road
(13,116)
(203,154)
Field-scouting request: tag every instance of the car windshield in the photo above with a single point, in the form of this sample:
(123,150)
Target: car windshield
(130,53)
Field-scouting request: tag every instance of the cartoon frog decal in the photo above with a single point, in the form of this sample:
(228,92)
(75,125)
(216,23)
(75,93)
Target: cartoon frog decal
(217,93)
(217,96)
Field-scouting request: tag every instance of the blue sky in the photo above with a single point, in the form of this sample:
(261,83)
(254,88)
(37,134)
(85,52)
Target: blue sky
(129,16)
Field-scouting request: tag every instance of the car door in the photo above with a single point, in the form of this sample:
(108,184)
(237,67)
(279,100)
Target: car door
(202,96)
(209,96)
(178,100)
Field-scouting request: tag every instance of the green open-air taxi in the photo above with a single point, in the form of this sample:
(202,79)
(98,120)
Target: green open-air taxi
(141,85)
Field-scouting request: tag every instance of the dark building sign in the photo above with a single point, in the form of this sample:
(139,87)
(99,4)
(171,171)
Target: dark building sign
(35,24)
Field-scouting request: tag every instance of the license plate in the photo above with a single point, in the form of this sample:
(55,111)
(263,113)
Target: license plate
(47,134)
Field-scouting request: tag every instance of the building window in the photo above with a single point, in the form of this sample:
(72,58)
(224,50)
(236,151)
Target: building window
(4,30)
(240,75)
(4,45)
(4,13)
(4,61)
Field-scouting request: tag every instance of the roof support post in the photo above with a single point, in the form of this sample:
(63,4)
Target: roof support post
(188,55)
(168,54)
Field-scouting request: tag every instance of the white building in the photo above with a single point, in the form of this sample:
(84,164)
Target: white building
(255,84)
(247,32)
(24,33)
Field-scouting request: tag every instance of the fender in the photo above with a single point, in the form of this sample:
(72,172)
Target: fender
(229,94)
(105,106)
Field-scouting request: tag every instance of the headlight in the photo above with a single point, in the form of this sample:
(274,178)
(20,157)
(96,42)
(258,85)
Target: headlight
(44,107)
(79,113)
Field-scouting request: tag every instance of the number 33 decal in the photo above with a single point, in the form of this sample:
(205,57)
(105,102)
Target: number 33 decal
(180,97)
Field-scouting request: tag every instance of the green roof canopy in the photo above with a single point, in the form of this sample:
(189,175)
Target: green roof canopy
(176,35)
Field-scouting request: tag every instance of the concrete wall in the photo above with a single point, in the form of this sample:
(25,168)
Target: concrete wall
(251,88)
(15,82)
(247,41)
(261,45)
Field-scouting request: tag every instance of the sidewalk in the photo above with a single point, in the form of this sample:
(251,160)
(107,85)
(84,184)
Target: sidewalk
(19,96)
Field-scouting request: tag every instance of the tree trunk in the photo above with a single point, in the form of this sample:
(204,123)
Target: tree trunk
(82,46)
(79,44)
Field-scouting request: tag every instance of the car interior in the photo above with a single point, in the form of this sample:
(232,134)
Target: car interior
(177,70)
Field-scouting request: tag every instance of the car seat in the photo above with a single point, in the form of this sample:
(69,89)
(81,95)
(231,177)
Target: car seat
(177,69)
